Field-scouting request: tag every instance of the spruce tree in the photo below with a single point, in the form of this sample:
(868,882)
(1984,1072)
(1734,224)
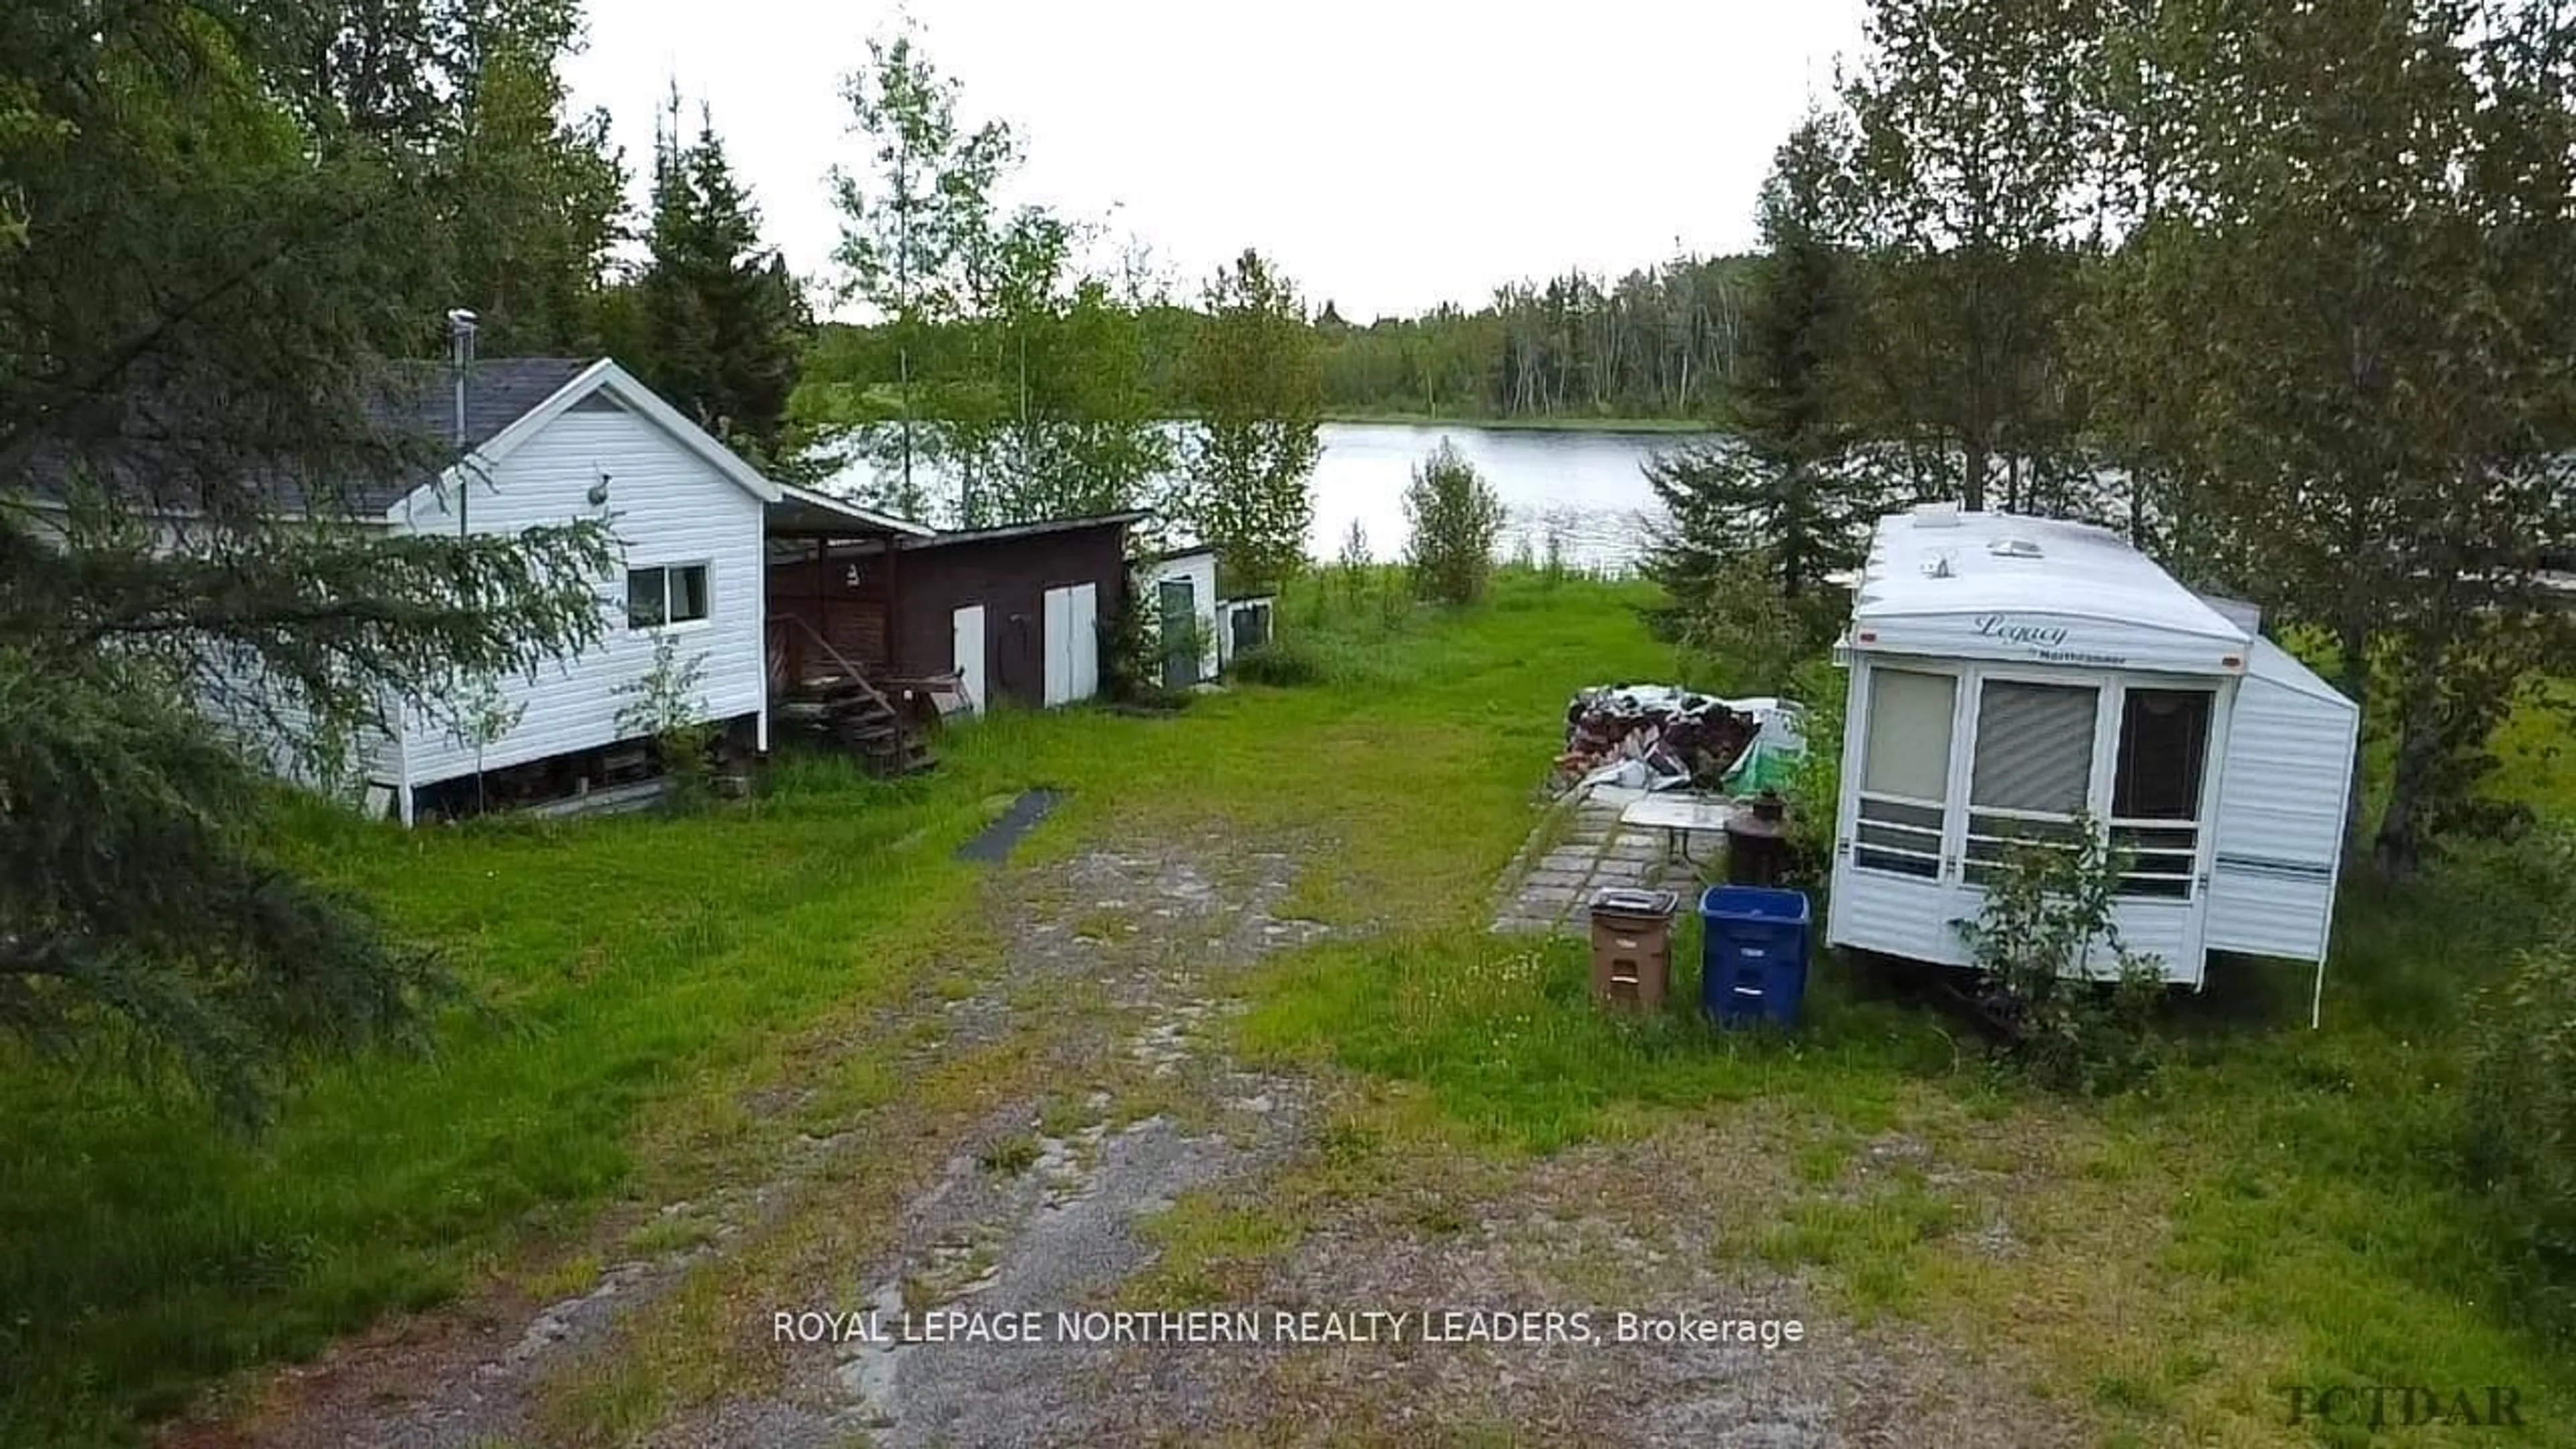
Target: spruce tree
(720,321)
(207,250)
(1784,496)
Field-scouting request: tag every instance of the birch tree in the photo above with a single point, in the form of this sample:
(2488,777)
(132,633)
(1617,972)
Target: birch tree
(913,219)
(1253,444)
(1972,127)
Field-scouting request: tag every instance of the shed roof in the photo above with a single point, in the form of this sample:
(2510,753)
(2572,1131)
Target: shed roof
(1028,530)
(1937,561)
(803,512)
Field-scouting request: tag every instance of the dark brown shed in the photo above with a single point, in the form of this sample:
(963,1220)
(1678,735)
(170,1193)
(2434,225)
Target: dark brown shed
(1014,609)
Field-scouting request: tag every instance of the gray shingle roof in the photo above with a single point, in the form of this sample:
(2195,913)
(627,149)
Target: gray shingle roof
(407,419)
(420,399)
(498,392)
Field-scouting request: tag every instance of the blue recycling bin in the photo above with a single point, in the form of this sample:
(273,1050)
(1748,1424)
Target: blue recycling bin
(1753,954)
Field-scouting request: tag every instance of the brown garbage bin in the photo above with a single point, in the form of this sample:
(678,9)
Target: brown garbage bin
(1632,948)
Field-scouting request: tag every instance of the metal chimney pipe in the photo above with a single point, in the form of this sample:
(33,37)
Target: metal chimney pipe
(460,338)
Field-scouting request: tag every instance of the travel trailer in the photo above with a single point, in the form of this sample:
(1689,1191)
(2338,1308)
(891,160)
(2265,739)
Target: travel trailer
(2009,674)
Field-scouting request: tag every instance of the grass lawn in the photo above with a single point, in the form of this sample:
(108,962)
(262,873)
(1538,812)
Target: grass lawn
(2282,1208)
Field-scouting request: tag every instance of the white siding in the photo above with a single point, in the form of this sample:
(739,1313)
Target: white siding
(669,506)
(1200,570)
(2162,930)
(1915,920)
(1896,915)
(2281,801)
(269,721)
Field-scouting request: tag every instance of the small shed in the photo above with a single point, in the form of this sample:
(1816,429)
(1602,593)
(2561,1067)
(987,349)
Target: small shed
(1244,623)
(1013,612)
(1180,587)
(2008,673)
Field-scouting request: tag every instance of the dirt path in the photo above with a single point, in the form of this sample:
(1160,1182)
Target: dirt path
(1095,1151)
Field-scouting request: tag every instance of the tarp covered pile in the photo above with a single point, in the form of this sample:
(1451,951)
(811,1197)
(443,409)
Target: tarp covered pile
(1658,737)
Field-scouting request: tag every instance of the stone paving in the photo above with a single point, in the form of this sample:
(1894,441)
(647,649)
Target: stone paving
(1549,890)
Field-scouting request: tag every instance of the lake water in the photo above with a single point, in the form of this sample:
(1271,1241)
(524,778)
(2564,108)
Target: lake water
(1584,488)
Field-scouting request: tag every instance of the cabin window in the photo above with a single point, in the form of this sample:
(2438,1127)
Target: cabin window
(2155,788)
(1905,772)
(2033,768)
(666,594)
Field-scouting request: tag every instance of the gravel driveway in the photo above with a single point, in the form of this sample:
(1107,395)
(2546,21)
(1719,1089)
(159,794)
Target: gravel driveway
(1125,1166)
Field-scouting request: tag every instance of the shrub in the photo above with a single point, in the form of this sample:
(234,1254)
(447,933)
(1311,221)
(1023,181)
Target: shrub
(1352,569)
(1814,790)
(1288,662)
(1457,519)
(1133,645)
(2522,1110)
(1744,635)
(665,707)
(1128,648)
(2048,925)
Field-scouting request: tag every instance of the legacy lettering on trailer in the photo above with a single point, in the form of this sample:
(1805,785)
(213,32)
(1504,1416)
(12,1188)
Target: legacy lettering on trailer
(2046,642)
(2012,631)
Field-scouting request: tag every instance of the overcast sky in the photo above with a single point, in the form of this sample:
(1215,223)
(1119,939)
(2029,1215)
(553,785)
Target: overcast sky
(1391,154)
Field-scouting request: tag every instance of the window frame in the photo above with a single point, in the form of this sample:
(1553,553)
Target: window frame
(1899,848)
(666,624)
(2167,853)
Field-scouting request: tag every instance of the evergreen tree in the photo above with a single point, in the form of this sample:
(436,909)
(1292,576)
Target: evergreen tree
(720,323)
(531,195)
(213,246)
(1784,496)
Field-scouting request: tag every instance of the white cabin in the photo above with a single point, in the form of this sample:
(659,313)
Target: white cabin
(551,440)
(2009,672)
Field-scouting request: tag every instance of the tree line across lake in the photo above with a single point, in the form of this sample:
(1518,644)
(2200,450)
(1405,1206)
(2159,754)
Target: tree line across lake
(1659,343)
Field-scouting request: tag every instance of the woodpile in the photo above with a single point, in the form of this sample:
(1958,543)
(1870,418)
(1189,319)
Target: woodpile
(1649,735)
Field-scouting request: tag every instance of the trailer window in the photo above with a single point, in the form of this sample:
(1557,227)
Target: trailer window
(1907,752)
(2034,746)
(2033,769)
(2164,743)
(2155,789)
(1905,772)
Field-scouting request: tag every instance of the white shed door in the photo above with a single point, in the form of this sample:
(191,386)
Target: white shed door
(1072,643)
(968,626)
